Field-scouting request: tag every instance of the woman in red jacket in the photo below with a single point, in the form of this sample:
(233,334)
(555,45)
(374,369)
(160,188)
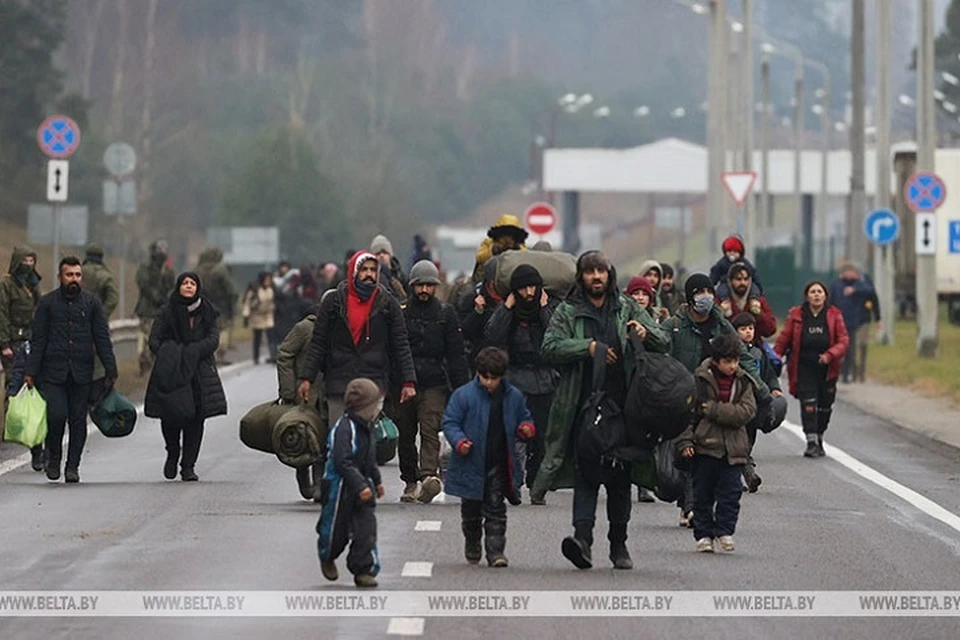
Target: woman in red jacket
(816,340)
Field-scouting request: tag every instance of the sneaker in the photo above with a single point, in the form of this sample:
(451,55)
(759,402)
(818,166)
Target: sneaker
(472,551)
(364,581)
(620,557)
(725,543)
(812,451)
(409,492)
(170,468)
(644,495)
(576,551)
(429,489)
(499,562)
(538,500)
(187,474)
(705,545)
(71,475)
(53,470)
(37,459)
(686,519)
(329,570)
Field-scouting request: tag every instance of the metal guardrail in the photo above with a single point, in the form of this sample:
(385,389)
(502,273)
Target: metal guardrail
(124,330)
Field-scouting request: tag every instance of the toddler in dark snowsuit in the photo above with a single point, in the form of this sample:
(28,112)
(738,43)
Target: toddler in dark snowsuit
(351,484)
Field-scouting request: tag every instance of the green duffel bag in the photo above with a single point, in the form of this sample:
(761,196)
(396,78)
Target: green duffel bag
(387,436)
(300,436)
(256,427)
(114,415)
(558,270)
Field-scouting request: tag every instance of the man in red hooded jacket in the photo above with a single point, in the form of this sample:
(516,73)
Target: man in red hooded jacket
(360,332)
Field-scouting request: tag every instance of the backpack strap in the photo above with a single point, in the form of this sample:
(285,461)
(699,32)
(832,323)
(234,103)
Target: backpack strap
(599,366)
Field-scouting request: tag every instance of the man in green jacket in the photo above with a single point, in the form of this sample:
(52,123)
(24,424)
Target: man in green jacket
(98,280)
(155,280)
(221,291)
(695,325)
(596,316)
(19,295)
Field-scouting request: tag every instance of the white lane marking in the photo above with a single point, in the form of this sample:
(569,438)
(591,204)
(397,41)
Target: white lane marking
(918,500)
(417,570)
(24,458)
(428,525)
(405,627)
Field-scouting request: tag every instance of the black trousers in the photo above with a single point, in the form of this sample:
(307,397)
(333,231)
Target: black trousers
(192,435)
(817,396)
(487,517)
(589,477)
(67,404)
(258,335)
(356,523)
(534,450)
(716,497)
(849,366)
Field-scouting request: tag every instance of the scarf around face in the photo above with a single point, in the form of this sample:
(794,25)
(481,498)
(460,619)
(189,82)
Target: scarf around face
(360,297)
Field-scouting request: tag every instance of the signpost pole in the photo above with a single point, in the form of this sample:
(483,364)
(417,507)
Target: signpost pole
(927,310)
(883,276)
(123,255)
(56,236)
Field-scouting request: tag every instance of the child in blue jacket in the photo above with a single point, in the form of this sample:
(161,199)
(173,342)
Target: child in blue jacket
(482,422)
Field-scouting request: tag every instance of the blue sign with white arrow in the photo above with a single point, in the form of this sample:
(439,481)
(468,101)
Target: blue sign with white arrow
(882,227)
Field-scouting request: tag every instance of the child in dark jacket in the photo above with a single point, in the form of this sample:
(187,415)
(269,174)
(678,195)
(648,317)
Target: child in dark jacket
(351,484)
(772,416)
(482,422)
(718,444)
(733,252)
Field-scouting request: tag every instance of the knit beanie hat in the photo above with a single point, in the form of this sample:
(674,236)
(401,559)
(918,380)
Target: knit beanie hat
(381,243)
(639,283)
(734,243)
(525,275)
(424,272)
(696,282)
(362,397)
(743,319)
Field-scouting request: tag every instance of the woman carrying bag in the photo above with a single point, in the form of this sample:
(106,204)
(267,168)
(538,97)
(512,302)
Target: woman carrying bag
(184,388)
(815,340)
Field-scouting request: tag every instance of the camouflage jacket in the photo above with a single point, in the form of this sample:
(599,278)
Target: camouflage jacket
(18,301)
(98,280)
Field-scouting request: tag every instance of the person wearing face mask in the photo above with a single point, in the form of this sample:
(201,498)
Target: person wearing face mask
(184,340)
(19,295)
(155,281)
(70,331)
(733,252)
(693,329)
(816,340)
(436,343)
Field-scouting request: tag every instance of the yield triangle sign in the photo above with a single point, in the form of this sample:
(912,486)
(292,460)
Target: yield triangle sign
(739,184)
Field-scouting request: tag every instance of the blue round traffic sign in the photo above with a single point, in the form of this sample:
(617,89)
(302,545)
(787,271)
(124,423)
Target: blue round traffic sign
(58,136)
(882,227)
(924,191)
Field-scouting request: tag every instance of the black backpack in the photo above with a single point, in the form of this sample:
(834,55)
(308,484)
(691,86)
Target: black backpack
(603,432)
(661,396)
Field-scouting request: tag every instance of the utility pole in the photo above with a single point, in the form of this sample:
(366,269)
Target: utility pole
(856,239)
(750,207)
(821,210)
(883,276)
(798,144)
(716,118)
(765,142)
(926,146)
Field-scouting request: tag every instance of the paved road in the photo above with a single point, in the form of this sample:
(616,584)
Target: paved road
(815,525)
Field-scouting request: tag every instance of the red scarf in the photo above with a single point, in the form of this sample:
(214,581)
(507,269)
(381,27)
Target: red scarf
(358,311)
(724,385)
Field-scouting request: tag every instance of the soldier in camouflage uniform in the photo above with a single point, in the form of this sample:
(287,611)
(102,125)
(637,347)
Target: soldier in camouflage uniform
(219,289)
(155,280)
(98,280)
(19,295)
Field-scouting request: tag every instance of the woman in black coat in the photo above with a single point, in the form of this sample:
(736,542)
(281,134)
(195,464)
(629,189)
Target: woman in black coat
(184,388)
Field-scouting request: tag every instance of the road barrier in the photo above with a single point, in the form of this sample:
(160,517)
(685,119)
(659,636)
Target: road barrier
(124,330)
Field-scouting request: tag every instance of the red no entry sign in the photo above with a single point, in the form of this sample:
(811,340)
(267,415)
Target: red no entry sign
(541,218)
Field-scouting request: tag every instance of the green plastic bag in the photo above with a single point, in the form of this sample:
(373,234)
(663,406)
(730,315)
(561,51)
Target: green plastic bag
(26,418)
(114,415)
(387,436)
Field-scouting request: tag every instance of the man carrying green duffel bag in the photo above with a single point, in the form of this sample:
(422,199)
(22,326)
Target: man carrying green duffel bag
(113,414)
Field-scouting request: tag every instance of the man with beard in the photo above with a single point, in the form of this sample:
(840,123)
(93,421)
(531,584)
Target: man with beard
(740,294)
(475,309)
(70,331)
(155,280)
(19,295)
(670,297)
(438,356)
(518,326)
(391,273)
(359,333)
(594,319)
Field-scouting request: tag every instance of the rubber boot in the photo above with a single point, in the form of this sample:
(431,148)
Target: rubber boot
(619,555)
